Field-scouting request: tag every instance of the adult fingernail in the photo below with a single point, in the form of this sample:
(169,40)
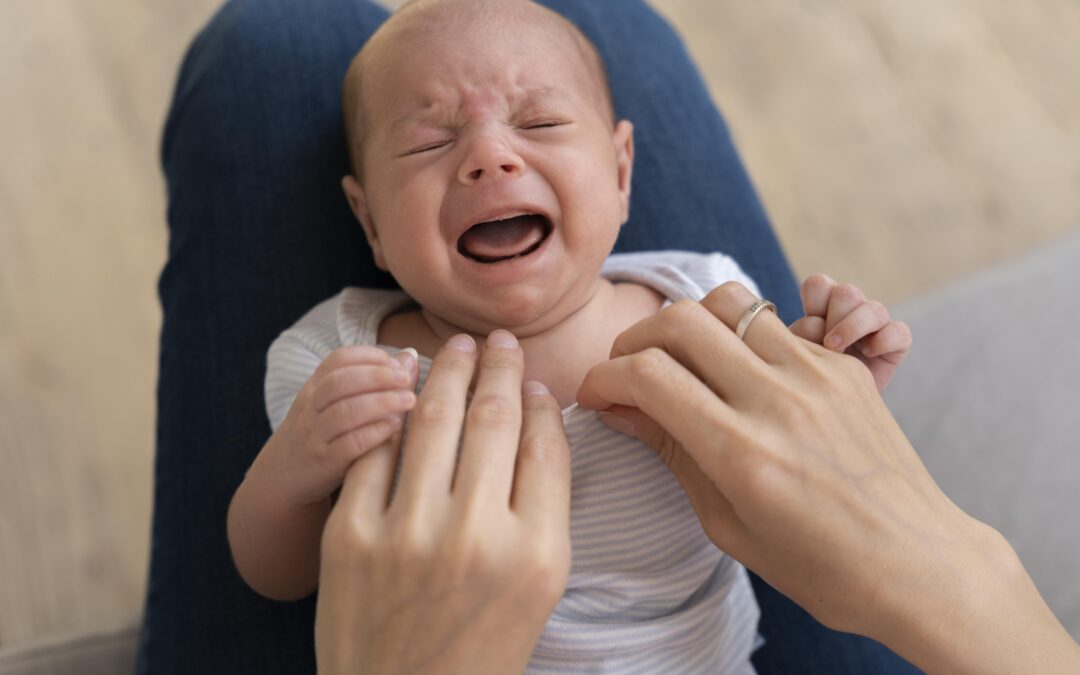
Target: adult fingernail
(620,424)
(502,338)
(833,341)
(462,342)
(533,387)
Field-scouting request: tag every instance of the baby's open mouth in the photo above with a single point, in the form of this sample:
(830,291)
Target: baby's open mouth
(497,240)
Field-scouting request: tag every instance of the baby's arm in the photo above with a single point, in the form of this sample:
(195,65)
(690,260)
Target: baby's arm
(840,318)
(352,403)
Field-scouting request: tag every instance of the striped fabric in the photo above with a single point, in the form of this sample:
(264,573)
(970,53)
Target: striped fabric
(648,592)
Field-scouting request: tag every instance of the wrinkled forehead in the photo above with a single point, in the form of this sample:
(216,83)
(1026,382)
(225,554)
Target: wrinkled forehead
(524,58)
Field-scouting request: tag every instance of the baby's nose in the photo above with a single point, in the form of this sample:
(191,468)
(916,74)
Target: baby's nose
(490,157)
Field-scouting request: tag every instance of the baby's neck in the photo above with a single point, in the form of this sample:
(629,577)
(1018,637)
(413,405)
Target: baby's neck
(560,356)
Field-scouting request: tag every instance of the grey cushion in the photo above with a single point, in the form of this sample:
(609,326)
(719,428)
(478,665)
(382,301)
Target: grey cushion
(990,397)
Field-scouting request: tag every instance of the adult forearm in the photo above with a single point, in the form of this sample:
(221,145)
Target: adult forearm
(985,618)
(275,543)
(799,471)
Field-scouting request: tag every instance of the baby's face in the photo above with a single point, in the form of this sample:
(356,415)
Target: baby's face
(484,124)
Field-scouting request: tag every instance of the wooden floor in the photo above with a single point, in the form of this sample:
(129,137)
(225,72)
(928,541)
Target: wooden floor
(896,144)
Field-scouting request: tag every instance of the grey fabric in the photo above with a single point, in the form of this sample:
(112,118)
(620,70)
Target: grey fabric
(990,397)
(105,652)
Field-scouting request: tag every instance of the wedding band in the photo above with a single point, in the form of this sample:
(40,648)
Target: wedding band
(751,312)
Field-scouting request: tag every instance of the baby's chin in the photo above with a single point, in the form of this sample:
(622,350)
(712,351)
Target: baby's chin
(526,316)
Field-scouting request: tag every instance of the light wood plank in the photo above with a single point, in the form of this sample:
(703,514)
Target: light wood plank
(84,240)
(894,144)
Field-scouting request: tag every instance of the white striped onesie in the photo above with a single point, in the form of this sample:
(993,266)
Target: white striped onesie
(648,592)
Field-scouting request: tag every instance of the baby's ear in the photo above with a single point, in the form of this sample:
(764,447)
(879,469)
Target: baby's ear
(624,160)
(354,192)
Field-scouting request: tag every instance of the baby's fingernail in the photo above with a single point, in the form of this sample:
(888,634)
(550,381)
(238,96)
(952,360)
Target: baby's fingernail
(620,424)
(832,341)
(408,358)
(462,342)
(533,387)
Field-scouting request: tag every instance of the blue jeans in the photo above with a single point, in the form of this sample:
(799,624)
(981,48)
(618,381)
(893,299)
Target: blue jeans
(253,153)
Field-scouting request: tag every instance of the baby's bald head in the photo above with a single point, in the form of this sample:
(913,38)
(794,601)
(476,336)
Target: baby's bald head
(437,19)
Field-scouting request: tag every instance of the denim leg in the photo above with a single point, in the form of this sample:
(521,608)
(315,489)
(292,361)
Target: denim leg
(253,154)
(259,232)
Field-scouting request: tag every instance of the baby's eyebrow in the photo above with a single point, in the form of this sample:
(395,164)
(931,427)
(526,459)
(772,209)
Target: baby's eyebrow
(529,97)
(411,117)
(539,95)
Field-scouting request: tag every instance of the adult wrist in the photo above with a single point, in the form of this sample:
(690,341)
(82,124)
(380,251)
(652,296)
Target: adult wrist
(979,612)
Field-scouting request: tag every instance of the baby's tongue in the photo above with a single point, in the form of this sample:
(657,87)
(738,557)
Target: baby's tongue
(503,238)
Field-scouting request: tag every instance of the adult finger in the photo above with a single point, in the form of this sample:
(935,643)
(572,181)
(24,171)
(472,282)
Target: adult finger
(430,452)
(766,335)
(815,292)
(542,476)
(692,335)
(352,380)
(662,388)
(868,317)
(365,491)
(492,424)
(844,299)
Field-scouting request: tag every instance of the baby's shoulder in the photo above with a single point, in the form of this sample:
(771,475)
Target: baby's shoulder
(676,274)
(351,317)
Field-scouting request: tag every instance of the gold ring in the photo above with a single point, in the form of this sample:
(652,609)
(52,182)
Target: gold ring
(751,312)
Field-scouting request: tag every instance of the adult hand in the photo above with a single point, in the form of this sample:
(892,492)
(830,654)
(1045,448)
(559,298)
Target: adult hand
(796,468)
(457,569)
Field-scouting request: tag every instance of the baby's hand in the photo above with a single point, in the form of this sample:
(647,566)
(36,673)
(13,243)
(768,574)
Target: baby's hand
(840,318)
(353,403)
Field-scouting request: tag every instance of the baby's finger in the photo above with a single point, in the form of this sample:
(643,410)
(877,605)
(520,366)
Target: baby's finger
(894,338)
(348,381)
(869,317)
(810,328)
(409,360)
(356,411)
(352,355)
(345,448)
(815,292)
(843,300)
